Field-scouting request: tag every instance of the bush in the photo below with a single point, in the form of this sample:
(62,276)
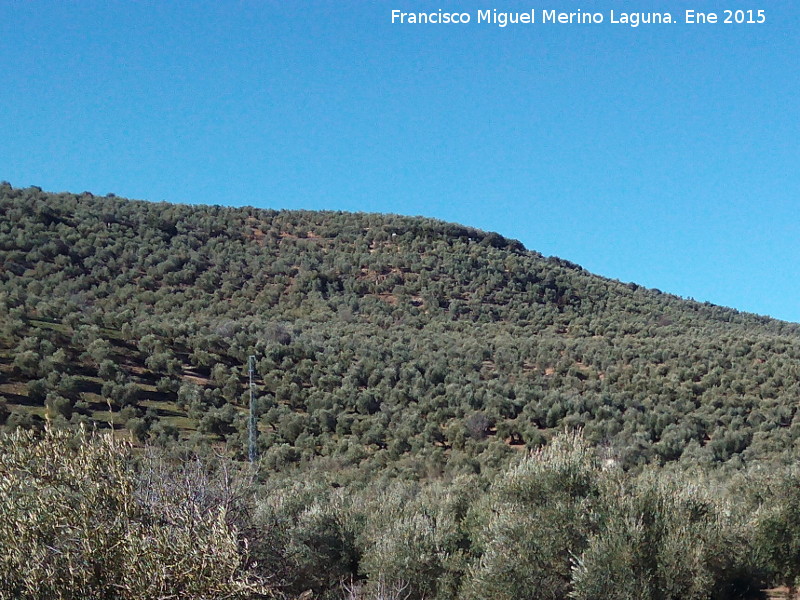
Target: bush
(415,539)
(663,539)
(538,515)
(778,530)
(73,524)
(307,536)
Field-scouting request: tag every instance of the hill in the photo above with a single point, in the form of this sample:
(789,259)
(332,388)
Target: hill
(384,341)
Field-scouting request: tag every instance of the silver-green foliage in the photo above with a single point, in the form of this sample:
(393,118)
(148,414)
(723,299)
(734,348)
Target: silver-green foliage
(662,538)
(306,533)
(74,525)
(538,514)
(414,538)
(778,528)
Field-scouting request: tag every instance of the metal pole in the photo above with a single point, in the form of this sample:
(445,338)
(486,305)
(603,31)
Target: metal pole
(251,454)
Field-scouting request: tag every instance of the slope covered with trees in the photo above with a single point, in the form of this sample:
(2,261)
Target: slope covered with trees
(381,341)
(441,412)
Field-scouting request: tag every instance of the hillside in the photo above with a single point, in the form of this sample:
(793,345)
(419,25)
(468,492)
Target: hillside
(380,340)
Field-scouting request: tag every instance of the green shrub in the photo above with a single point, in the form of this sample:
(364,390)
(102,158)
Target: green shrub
(778,529)
(305,531)
(663,538)
(415,539)
(73,524)
(538,515)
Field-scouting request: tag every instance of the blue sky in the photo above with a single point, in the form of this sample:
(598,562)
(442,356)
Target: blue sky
(668,155)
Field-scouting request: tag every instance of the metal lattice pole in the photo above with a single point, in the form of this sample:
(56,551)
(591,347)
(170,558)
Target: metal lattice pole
(251,453)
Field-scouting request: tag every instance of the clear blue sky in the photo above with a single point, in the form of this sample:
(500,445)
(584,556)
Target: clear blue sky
(668,155)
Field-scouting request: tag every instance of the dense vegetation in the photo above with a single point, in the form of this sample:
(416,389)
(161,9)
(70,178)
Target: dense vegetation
(405,342)
(81,516)
(403,368)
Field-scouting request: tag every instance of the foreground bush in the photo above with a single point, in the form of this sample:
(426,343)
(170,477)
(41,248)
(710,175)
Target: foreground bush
(74,525)
(537,517)
(663,538)
(416,539)
(304,536)
(778,529)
